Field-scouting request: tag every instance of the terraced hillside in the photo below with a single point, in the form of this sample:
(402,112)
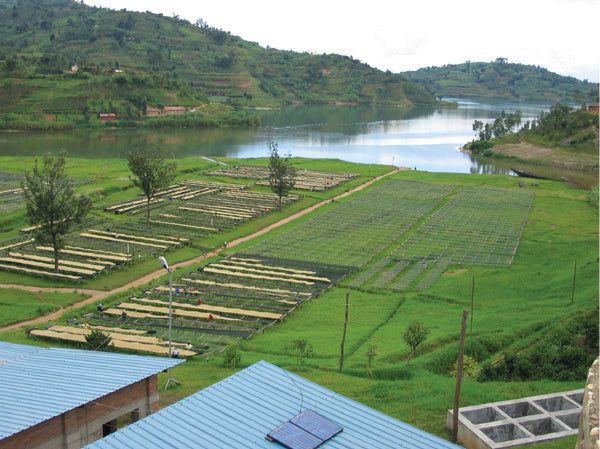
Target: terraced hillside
(64,57)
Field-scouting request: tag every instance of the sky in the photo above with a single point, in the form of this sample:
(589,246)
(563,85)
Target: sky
(559,35)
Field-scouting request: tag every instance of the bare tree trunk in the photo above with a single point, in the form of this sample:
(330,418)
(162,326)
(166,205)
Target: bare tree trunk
(54,247)
(148,212)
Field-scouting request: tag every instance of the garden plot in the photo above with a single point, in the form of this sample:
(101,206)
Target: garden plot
(218,210)
(11,199)
(11,192)
(353,232)
(90,249)
(181,191)
(120,339)
(213,306)
(477,226)
(200,207)
(305,179)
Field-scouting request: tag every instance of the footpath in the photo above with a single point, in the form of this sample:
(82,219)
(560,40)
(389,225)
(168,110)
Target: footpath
(97,295)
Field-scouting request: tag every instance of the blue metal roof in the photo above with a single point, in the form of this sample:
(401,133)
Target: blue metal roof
(241,410)
(37,384)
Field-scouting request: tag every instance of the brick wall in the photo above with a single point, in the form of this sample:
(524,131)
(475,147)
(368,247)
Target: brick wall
(83,425)
(588,421)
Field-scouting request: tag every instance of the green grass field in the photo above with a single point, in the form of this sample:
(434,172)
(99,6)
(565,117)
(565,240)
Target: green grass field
(515,308)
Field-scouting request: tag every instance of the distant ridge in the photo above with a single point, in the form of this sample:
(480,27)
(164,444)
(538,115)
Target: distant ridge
(501,79)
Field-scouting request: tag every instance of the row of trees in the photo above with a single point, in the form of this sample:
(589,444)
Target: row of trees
(560,123)
(53,208)
(502,125)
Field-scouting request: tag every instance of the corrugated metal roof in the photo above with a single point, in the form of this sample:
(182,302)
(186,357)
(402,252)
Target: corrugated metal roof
(241,410)
(37,384)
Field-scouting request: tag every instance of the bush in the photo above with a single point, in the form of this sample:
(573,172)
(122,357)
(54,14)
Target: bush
(232,357)
(479,146)
(564,355)
(98,340)
(593,197)
(477,348)
(469,367)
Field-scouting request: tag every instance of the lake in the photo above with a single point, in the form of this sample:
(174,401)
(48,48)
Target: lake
(424,138)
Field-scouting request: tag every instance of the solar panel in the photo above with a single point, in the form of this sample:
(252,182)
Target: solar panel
(293,437)
(316,424)
(308,430)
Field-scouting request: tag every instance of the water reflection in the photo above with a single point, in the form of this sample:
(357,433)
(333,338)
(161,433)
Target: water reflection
(426,138)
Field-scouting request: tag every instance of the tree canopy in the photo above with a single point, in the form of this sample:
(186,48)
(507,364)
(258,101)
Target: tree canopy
(151,173)
(282,175)
(414,335)
(52,206)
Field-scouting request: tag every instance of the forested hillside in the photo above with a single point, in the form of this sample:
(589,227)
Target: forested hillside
(127,61)
(503,80)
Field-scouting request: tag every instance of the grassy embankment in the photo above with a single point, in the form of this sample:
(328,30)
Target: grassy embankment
(563,138)
(515,308)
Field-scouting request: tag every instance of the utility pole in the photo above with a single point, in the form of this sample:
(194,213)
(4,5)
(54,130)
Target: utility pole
(472,300)
(344,335)
(573,289)
(459,373)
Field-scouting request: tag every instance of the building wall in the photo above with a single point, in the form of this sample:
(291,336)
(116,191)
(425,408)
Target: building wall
(83,425)
(588,421)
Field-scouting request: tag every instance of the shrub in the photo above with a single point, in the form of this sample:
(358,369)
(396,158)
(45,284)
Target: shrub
(469,367)
(232,357)
(564,355)
(479,146)
(593,197)
(98,340)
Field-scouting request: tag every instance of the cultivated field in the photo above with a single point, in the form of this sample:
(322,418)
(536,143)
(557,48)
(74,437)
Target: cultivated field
(181,213)
(313,180)
(510,254)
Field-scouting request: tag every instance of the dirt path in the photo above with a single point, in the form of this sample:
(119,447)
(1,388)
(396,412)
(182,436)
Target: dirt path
(96,295)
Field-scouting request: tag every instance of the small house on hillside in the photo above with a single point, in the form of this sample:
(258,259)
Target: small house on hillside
(592,108)
(151,111)
(107,116)
(67,398)
(267,407)
(173,110)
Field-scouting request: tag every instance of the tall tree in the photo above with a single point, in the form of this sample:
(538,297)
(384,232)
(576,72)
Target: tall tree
(151,173)
(282,175)
(52,206)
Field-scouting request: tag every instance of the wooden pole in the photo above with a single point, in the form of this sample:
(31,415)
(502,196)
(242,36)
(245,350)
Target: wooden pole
(472,300)
(344,335)
(573,289)
(459,372)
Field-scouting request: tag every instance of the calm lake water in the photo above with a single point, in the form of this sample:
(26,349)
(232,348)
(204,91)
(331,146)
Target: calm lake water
(425,138)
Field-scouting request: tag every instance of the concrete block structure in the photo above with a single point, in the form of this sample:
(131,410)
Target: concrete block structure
(68,398)
(588,422)
(519,422)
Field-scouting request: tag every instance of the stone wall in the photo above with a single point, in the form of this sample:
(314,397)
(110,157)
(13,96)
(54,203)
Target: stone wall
(588,421)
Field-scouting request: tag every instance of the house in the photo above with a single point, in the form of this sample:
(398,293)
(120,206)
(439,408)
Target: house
(67,398)
(151,111)
(267,407)
(107,116)
(592,108)
(173,110)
